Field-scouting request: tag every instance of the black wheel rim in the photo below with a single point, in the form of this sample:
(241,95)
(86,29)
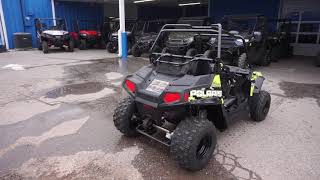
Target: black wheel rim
(204,146)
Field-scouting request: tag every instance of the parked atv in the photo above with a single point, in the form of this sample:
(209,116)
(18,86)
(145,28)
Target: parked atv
(179,101)
(133,28)
(191,43)
(52,34)
(253,29)
(148,35)
(281,39)
(87,35)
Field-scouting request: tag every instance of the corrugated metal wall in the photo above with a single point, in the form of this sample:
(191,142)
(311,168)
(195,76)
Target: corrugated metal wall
(219,8)
(77,10)
(20,14)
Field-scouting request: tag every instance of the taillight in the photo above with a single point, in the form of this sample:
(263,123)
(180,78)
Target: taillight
(171,97)
(186,97)
(130,86)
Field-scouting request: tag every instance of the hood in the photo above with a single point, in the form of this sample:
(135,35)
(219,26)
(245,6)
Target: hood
(90,32)
(56,32)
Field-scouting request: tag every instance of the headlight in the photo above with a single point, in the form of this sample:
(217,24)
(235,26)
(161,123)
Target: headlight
(239,42)
(212,40)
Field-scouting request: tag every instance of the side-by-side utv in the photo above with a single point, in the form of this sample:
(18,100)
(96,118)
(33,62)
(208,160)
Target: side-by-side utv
(87,34)
(252,27)
(53,33)
(191,43)
(180,101)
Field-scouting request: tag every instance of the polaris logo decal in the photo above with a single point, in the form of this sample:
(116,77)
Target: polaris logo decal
(206,93)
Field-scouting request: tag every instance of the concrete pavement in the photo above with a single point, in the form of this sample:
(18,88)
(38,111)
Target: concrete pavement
(56,123)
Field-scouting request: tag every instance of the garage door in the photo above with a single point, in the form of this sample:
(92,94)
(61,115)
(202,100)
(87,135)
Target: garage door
(306,25)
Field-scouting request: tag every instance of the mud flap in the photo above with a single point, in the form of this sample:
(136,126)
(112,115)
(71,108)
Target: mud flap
(256,82)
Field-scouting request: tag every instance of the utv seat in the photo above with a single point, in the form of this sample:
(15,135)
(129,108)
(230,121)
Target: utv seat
(200,67)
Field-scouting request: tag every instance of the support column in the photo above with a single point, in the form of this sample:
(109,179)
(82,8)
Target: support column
(53,9)
(4,27)
(122,40)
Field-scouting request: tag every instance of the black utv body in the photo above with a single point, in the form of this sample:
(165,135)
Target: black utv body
(132,28)
(145,40)
(53,32)
(179,101)
(184,43)
(253,29)
(233,46)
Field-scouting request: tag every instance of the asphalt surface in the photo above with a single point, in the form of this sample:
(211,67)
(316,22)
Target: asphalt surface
(56,123)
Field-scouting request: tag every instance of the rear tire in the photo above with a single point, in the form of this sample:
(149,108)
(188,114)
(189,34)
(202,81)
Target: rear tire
(266,59)
(242,61)
(136,52)
(45,47)
(193,143)
(83,44)
(259,106)
(71,46)
(192,52)
(39,44)
(122,117)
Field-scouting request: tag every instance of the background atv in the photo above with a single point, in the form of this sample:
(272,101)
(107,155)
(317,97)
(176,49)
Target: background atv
(184,43)
(49,34)
(281,39)
(132,26)
(147,37)
(233,47)
(87,35)
(253,29)
(181,100)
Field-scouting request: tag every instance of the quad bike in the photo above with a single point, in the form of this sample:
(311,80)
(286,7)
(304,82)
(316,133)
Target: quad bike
(252,28)
(87,35)
(179,101)
(191,43)
(149,34)
(50,34)
(133,27)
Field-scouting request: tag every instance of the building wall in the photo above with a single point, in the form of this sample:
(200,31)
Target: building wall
(112,10)
(219,8)
(19,16)
(79,10)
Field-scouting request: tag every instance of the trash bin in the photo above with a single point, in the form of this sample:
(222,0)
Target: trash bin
(22,40)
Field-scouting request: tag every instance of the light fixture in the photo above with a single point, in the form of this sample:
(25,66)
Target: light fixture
(190,4)
(142,1)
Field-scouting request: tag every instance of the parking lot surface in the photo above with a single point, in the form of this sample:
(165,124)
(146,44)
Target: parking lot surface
(56,123)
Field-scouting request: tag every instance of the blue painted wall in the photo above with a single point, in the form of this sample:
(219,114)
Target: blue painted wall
(219,8)
(77,10)
(20,14)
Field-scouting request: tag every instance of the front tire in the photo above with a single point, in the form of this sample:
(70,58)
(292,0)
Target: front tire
(242,61)
(83,44)
(122,117)
(259,106)
(45,47)
(71,46)
(111,47)
(136,52)
(193,143)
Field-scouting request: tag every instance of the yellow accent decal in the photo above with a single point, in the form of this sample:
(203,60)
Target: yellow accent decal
(222,101)
(252,89)
(216,81)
